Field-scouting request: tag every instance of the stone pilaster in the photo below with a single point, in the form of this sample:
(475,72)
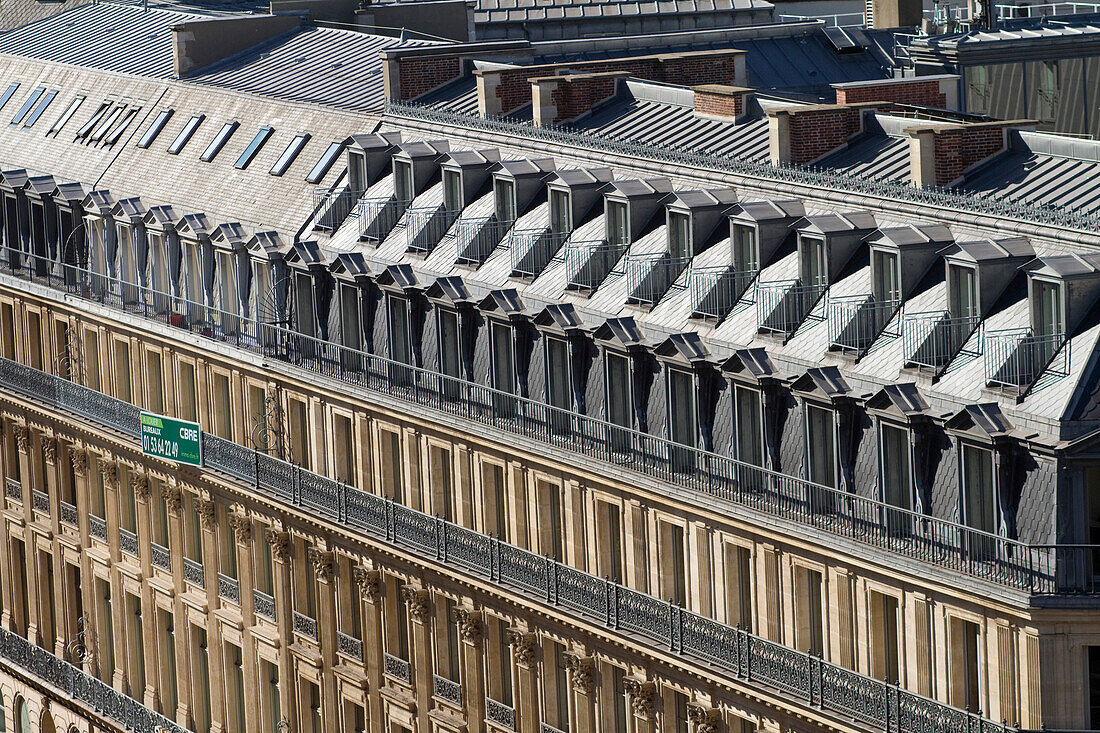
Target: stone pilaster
(284,615)
(471,626)
(643,703)
(324,567)
(525,646)
(241,524)
(582,678)
(419,604)
(370,584)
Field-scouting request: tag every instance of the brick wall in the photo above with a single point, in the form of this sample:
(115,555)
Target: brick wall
(813,132)
(919,93)
(421,75)
(959,148)
(573,96)
(719,100)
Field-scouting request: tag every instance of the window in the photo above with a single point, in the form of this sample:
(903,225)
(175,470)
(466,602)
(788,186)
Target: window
(448,654)
(321,168)
(154,382)
(253,147)
(979,496)
(551,532)
(289,154)
(351,326)
(559,378)
(821,446)
(450,343)
(739,586)
(679,235)
(6,96)
(618,224)
(897,478)
(884,637)
(618,687)
(673,575)
(561,212)
(504,365)
(107,122)
(65,116)
(403,180)
(680,705)
(27,104)
(303,298)
(812,262)
(441,473)
(681,407)
(185,134)
(188,406)
(620,406)
(609,542)
(92,121)
(504,196)
(400,337)
(122,371)
(885,276)
(749,417)
(42,105)
(1046,309)
(116,132)
(809,624)
(452,190)
(494,496)
(744,254)
(556,691)
(235,669)
(962,292)
(155,129)
(219,141)
(357,171)
(963,667)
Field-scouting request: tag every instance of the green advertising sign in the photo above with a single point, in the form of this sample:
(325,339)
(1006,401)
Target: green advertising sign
(172,439)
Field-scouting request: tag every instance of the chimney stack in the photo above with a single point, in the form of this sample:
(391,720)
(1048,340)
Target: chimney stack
(939,155)
(721,101)
(799,135)
(940,91)
(557,99)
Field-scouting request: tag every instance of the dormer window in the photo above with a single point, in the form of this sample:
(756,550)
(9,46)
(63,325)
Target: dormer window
(821,446)
(400,329)
(504,193)
(745,255)
(559,374)
(618,224)
(403,180)
(357,172)
(620,397)
(679,235)
(452,190)
(813,268)
(1047,315)
(561,212)
(885,276)
(450,343)
(962,291)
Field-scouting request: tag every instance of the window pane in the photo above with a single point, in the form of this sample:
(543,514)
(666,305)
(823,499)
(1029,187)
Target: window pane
(155,128)
(896,479)
(449,349)
(6,96)
(887,285)
(561,214)
(403,180)
(185,134)
(253,147)
(321,168)
(682,407)
(980,511)
(813,262)
(65,116)
(617,233)
(27,104)
(452,190)
(1047,309)
(400,345)
(505,193)
(961,294)
(504,371)
(619,411)
(41,108)
(558,377)
(289,155)
(679,235)
(743,240)
(822,450)
(219,141)
(750,443)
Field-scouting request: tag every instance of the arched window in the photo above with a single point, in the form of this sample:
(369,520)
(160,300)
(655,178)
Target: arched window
(22,715)
(3,715)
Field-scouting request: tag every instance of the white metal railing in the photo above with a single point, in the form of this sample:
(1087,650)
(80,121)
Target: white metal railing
(650,276)
(533,249)
(834,20)
(782,306)
(589,262)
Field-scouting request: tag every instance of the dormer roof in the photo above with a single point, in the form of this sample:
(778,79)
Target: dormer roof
(161,217)
(350,266)
(472,158)
(984,420)
(526,167)
(752,363)
(685,348)
(825,382)
(693,199)
(1065,267)
(621,332)
(100,202)
(194,225)
(267,245)
(423,149)
(231,235)
(14,179)
(760,211)
(449,290)
(581,176)
(69,192)
(41,185)
(638,188)
(826,224)
(129,208)
(506,302)
(374,141)
(398,277)
(900,400)
(984,250)
(912,235)
(560,317)
(307,254)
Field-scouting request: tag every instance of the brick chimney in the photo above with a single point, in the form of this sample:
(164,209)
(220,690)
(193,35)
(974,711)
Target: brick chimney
(940,91)
(558,99)
(803,134)
(408,73)
(939,155)
(720,101)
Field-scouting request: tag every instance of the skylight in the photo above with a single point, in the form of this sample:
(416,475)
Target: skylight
(219,141)
(116,132)
(321,169)
(65,116)
(107,123)
(289,154)
(27,105)
(87,126)
(7,93)
(185,134)
(254,147)
(155,129)
(37,113)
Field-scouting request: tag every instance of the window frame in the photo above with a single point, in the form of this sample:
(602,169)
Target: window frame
(179,142)
(809,442)
(954,276)
(739,423)
(218,142)
(1037,301)
(28,104)
(391,299)
(681,227)
(806,258)
(567,371)
(156,128)
(494,365)
(882,290)
(612,221)
(404,183)
(441,344)
(965,449)
(255,145)
(39,109)
(324,164)
(627,384)
(290,154)
(504,192)
(451,176)
(65,116)
(885,461)
(738,232)
(693,411)
(561,210)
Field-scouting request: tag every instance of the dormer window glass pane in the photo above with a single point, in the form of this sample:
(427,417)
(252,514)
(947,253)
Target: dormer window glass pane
(154,129)
(821,446)
(289,154)
(351,328)
(681,408)
(357,172)
(452,190)
(813,270)
(620,409)
(979,501)
(679,235)
(743,244)
(561,212)
(108,122)
(65,116)
(403,180)
(95,118)
(1046,314)
(219,141)
(450,343)
(253,147)
(559,382)
(504,363)
(750,425)
(504,192)
(897,484)
(321,168)
(962,292)
(400,341)
(117,131)
(185,134)
(885,276)
(618,225)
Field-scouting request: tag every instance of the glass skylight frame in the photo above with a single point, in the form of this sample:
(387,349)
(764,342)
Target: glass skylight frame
(28,103)
(189,129)
(227,130)
(8,94)
(254,146)
(66,115)
(155,129)
(324,164)
(38,111)
(290,154)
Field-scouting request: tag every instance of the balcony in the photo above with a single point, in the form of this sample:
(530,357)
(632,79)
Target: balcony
(589,262)
(193,572)
(128,542)
(378,217)
(716,290)
(13,489)
(229,589)
(160,556)
(479,559)
(264,604)
(97,527)
(349,646)
(1016,358)
(931,340)
(650,276)
(69,514)
(500,715)
(446,690)
(40,500)
(427,227)
(477,239)
(333,207)
(856,321)
(85,690)
(533,249)
(782,306)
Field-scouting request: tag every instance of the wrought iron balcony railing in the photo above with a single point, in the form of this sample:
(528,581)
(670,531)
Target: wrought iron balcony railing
(160,556)
(397,668)
(128,541)
(589,262)
(782,306)
(1016,358)
(263,603)
(229,589)
(533,249)
(478,238)
(547,728)
(939,542)
(546,582)
(193,572)
(349,646)
(97,527)
(69,514)
(40,500)
(74,684)
(305,625)
(931,340)
(499,714)
(334,207)
(856,321)
(446,690)
(650,276)
(13,489)
(379,216)
(716,290)
(427,227)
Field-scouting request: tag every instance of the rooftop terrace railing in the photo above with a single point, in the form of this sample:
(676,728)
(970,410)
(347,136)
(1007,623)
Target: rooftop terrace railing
(783,305)
(589,262)
(931,340)
(856,321)
(650,276)
(716,290)
(427,227)
(938,542)
(533,249)
(1016,358)
(48,669)
(378,217)
(818,178)
(334,207)
(478,238)
(540,579)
